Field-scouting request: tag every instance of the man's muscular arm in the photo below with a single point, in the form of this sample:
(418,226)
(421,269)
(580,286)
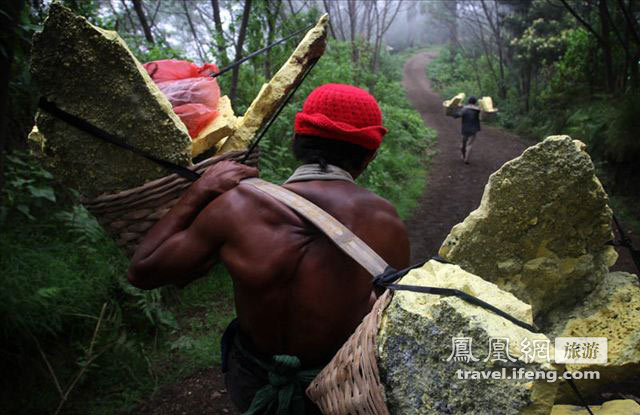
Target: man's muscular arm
(177,250)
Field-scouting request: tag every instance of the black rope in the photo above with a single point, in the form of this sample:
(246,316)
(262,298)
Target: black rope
(87,127)
(583,402)
(275,116)
(447,292)
(240,61)
(625,242)
(387,279)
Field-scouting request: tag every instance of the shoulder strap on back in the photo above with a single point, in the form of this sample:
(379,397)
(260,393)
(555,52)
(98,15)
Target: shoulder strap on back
(383,275)
(336,231)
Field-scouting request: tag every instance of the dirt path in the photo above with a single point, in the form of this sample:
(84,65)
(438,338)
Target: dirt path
(454,189)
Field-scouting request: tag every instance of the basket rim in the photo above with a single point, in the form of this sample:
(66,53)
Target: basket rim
(109,197)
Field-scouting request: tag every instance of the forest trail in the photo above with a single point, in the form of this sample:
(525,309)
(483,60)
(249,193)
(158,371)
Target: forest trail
(453,189)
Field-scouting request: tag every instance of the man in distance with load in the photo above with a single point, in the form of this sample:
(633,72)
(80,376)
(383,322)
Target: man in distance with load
(298,297)
(470,115)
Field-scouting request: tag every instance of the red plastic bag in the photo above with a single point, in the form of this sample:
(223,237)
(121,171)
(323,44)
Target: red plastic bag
(192,92)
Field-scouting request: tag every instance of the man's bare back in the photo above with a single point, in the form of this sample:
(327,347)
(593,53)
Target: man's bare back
(298,296)
(296,293)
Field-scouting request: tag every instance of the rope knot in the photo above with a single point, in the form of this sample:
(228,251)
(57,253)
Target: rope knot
(285,370)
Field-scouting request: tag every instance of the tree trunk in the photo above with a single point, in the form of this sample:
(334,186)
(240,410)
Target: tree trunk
(241,35)
(606,45)
(495,28)
(353,25)
(336,17)
(201,54)
(381,28)
(220,42)
(126,9)
(632,33)
(487,52)
(452,11)
(137,6)
(272,16)
(327,9)
(591,70)
(526,89)
(8,22)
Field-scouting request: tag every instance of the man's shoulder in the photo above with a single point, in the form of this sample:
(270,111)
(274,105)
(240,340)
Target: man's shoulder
(376,203)
(342,196)
(375,210)
(242,197)
(344,201)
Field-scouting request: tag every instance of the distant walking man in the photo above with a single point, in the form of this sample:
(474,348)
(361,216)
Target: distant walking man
(470,115)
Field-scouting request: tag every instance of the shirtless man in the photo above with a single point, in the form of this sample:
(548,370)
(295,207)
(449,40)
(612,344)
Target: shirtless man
(297,296)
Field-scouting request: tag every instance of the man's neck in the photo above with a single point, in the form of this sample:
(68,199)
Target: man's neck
(307,172)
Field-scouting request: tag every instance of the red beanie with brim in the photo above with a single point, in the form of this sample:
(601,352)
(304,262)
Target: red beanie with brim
(342,112)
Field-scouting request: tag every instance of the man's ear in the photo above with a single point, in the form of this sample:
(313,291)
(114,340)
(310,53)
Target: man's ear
(368,159)
(371,157)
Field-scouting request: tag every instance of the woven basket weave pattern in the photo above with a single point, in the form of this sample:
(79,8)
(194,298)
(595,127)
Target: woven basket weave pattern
(350,383)
(128,215)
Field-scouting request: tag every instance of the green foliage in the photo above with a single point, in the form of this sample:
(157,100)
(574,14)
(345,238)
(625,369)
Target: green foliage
(151,305)
(211,310)
(27,188)
(161,50)
(450,76)
(22,92)
(46,272)
(574,64)
(59,271)
(621,142)
(397,173)
(543,41)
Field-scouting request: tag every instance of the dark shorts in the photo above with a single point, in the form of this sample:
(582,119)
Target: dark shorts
(244,377)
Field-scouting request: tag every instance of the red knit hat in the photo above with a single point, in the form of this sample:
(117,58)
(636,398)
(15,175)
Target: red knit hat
(342,112)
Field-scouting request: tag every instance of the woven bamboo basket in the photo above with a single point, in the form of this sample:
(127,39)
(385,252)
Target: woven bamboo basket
(128,215)
(451,111)
(350,383)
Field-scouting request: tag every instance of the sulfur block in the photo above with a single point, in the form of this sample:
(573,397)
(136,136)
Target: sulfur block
(541,229)
(90,73)
(612,310)
(221,127)
(452,105)
(275,92)
(415,345)
(616,407)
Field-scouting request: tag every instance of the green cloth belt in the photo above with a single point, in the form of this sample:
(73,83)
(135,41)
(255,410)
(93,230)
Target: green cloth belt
(286,384)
